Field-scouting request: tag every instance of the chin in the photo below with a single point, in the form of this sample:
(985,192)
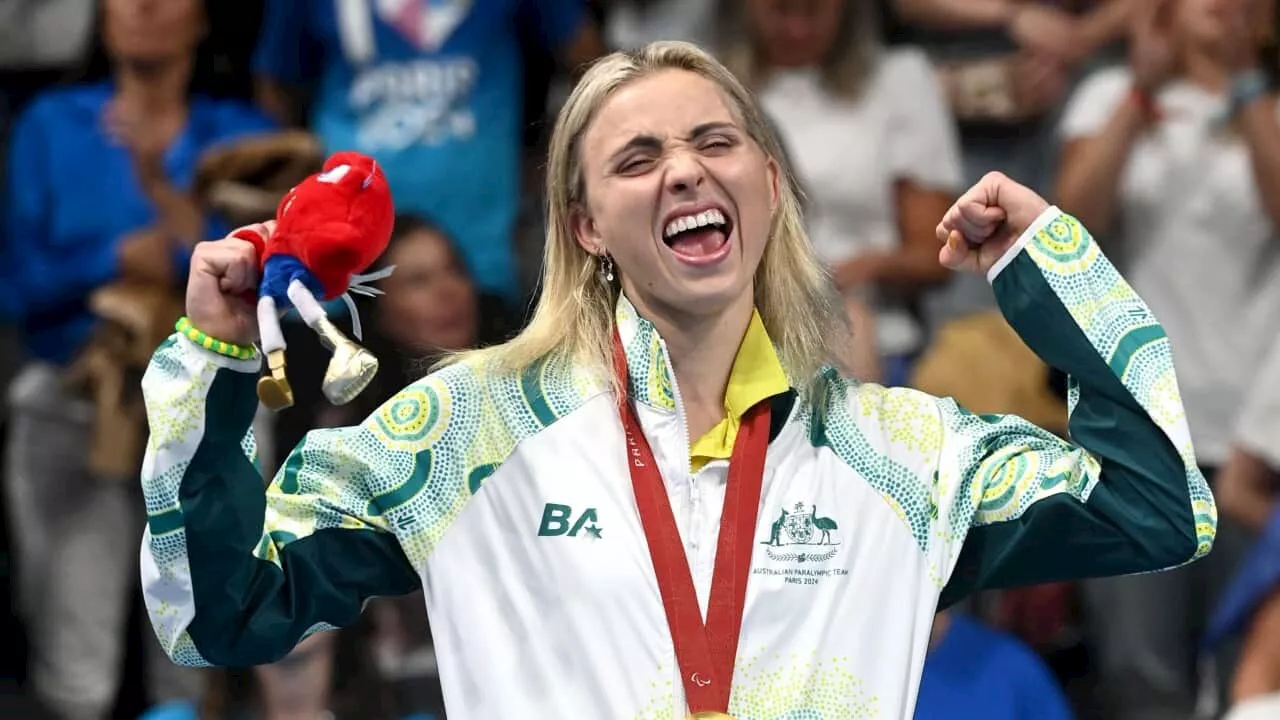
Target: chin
(709,295)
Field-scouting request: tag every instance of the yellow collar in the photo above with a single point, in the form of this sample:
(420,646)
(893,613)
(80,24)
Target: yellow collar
(756,374)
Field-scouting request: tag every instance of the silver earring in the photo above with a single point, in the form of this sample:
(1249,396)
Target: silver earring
(606,267)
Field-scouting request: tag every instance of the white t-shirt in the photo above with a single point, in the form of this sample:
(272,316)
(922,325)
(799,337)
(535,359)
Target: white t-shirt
(1194,240)
(1263,707)
(848,153)
(1258,427)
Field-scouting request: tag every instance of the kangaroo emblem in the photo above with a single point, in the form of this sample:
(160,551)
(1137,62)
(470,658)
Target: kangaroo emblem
(775,533)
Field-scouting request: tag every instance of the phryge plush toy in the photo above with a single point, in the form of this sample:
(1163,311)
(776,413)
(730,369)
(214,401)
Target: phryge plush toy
(331,227)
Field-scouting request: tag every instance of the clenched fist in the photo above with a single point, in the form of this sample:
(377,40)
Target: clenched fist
(224,274)
(985,222)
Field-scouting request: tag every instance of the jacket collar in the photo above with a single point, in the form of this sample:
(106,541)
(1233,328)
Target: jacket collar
(757,373)
(648,366)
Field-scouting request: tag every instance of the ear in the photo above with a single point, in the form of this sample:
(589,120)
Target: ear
(774,174)
(585,231)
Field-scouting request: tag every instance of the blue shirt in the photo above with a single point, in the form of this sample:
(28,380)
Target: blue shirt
(433,92)
(1257,578)
(72,196)
(979,673)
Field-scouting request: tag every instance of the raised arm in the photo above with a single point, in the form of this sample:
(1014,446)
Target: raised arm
(1123,494)
(233,574)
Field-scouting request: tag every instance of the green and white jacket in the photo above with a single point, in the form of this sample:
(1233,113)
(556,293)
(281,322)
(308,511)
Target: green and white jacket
(509,502)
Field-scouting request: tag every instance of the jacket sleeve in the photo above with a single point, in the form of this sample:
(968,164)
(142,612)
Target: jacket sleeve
(233,575)
(1123,493)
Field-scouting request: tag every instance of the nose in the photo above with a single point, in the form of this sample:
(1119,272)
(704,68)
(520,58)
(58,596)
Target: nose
(684,171)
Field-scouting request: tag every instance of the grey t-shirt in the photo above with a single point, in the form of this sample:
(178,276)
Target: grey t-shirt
(39,34)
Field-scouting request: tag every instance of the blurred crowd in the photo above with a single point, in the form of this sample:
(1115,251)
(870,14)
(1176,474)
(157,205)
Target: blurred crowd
(132,129)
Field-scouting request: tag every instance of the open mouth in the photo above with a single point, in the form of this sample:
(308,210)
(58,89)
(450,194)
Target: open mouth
(699,238)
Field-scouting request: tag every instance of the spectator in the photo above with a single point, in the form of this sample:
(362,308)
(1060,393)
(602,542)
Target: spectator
(869,135)
(1251,606)
(973,671)
(1006,68)
(1249,482)
(432,306)
(99,192)
(39,40)
(1249,491)
(1174,161)
(631,24)
(432,90)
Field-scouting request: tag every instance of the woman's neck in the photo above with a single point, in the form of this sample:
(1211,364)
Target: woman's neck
(1205,70)
(155,88)
(702,349)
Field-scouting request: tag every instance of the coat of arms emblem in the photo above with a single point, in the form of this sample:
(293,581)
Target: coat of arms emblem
(802,526)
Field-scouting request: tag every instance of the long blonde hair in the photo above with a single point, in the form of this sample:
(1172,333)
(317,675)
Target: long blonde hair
(575,312)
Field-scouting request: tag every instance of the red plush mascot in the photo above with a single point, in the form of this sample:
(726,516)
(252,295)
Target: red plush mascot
(330,228)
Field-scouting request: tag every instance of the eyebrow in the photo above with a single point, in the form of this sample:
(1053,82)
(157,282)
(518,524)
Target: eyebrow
(652,142)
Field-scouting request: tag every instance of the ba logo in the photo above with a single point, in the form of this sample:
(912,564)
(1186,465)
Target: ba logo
(560,520)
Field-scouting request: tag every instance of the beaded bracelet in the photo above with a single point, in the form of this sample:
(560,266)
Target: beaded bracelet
(222,347)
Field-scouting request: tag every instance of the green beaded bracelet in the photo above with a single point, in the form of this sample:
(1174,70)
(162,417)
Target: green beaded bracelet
(222,347)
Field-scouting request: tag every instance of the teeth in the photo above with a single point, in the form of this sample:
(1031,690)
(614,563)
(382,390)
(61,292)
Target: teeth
(689,222)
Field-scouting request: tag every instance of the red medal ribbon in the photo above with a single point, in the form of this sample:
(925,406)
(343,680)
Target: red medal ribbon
(705,653)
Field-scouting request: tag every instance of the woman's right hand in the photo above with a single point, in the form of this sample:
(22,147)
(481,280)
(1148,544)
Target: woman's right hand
(1151,50)
(222,273)
(1046,31)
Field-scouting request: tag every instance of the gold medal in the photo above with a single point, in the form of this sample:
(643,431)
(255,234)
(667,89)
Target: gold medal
(710,715)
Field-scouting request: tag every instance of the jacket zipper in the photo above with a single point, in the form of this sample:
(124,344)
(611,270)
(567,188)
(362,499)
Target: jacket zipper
(684,421)
(687,478)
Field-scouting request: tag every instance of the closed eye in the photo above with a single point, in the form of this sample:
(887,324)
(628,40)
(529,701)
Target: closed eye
(634,165)
(717,144)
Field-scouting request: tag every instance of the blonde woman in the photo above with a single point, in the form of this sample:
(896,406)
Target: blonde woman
(662,445)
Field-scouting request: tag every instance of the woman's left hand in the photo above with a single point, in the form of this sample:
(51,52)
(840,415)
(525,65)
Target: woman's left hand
(146,145)
(982,225)
(146,256)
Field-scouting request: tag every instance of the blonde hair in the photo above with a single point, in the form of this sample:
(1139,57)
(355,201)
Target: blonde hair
(575,313)
(845,68)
